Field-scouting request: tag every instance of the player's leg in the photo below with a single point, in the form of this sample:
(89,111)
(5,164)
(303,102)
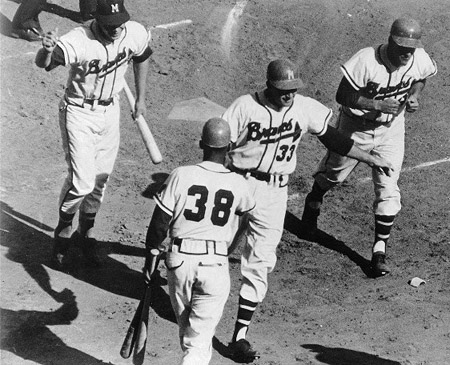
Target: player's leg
(333,170)
(257,261)
(25,23)
(106,149)
(78,144)
(390,145)
(210,293)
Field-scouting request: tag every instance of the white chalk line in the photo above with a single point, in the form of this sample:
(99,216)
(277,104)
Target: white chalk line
(232,20)
(408,169)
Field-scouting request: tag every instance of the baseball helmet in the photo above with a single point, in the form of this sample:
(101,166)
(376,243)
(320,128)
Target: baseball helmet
(282,75)
(216,133)
(406,32)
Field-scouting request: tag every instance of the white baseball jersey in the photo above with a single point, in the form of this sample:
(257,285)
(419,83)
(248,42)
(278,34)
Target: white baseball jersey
(370,72)
(266,140)
(204,201)
(98,69)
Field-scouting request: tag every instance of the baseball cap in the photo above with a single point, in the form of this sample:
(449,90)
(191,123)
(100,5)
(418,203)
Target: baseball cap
(111,12)
(282,75)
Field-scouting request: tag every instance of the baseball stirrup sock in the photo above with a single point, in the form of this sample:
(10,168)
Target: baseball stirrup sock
(65,220)
(86,222)
(383,225)
(244,317)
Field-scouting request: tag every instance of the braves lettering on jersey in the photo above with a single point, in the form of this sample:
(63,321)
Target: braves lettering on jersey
(98,69)
(204,201)
(370,72)
(266,140)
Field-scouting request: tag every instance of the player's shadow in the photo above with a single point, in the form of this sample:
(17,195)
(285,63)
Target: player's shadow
(28,245)
(295,226)
(158,181)
(341,356)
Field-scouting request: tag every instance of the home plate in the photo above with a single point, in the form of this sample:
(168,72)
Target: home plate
(197,110)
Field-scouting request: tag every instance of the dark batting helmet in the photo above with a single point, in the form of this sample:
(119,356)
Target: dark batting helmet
(216,133)
(282,75)
(406,32)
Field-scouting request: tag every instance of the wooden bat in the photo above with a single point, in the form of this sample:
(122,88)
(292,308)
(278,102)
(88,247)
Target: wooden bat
(146,134)
(136,336)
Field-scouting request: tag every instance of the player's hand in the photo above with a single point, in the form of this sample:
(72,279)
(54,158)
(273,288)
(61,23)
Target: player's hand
(139,109)
(412,104)
(151,264)
(49,40)
(388,106)
(382,165)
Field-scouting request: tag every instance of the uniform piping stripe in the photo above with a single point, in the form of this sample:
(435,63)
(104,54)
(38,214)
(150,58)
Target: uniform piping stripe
(246,307)
(245,323)
(162,206)
(349,78)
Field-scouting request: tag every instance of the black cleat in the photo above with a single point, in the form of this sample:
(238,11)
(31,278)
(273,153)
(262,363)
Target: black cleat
(379,266)
(242,351)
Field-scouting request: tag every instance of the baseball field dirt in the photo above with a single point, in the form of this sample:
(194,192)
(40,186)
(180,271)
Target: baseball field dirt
(322,306)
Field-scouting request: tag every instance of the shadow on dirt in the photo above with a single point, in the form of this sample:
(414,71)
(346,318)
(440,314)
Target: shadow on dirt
(295,226)
(340,356)
(30,246)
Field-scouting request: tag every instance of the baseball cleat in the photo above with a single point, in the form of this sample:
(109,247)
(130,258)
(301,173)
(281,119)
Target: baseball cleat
(242,351)
(379,266)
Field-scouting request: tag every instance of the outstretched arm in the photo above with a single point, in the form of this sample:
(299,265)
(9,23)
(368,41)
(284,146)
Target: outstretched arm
(337,142)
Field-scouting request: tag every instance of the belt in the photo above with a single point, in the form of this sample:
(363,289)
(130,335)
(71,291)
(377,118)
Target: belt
(199,247)
(261,176)
(99,102)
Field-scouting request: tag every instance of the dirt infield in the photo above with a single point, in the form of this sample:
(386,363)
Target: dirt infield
(322,306)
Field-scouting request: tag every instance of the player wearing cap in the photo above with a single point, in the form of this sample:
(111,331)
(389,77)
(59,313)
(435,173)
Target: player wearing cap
(199,205)
(266,128)
(379,85)
(98,55)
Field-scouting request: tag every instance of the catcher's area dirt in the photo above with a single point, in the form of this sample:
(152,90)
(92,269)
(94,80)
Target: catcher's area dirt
(321,308)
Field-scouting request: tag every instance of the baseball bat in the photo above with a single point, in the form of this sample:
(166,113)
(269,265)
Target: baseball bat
(130,337)
(146,134)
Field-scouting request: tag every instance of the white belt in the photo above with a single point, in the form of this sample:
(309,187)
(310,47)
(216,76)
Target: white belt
(199,247)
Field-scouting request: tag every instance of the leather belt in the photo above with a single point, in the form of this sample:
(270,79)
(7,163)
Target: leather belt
(99,102)
(261,176)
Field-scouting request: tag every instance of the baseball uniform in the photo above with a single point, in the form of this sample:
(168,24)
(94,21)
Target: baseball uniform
(265,151)
(204,202)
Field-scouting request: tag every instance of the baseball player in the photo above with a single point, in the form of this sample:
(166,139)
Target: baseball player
(379,84)
(98,55)
(266,128)
(199,205)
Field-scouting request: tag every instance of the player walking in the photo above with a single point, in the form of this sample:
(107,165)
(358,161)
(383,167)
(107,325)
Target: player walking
(199,204)
(266,128)
(98,55)
(379,85)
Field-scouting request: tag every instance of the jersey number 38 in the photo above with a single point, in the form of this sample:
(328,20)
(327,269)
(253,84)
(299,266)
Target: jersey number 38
(223,201)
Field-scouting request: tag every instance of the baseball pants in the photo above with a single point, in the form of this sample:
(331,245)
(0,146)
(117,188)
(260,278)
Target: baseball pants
(385,140)
(199,286)
(91,141)
(264,231)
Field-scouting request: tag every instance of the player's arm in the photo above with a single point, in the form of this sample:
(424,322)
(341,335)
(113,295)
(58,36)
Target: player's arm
(412,102)
(348,96)
(156,233)
(140,68)
(45,56)
(337,142)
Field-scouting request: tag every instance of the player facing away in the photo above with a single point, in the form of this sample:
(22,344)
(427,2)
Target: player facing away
(199,206)
(379,84)
(266,128)
(98,55)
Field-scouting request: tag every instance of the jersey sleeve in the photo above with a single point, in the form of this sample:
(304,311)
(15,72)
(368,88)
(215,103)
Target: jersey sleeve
(426,65)
(73,45)
(140,36)
(316,115)
(355,70)
(167,196)
(235,116)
